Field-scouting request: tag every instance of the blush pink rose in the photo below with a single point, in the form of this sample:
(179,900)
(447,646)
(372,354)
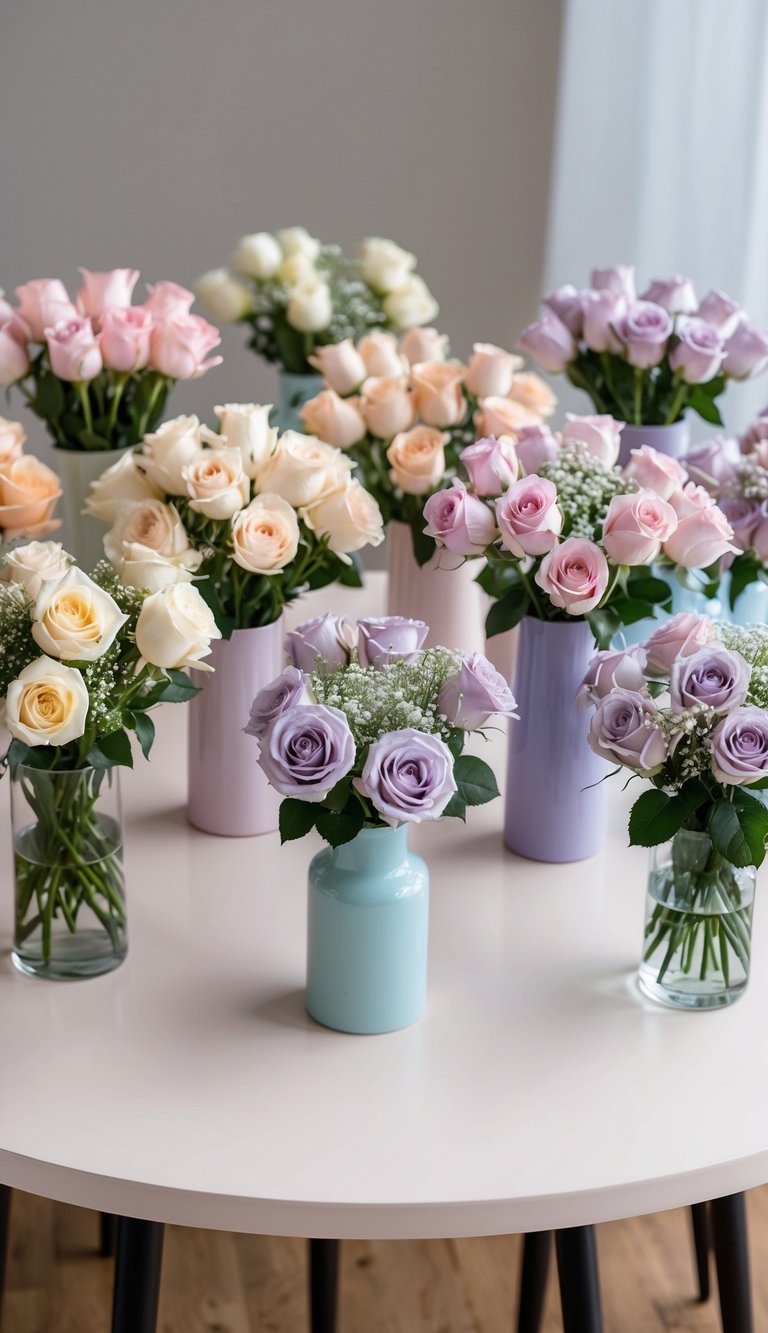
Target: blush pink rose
(42,303)
(503,416)
(491,465)
(535,445)
(602,312)
(381,355)
(635,527)
(421,345)
(341,365)
(168,298)
(746,351)
(73,350)
(701,538)
(529,517)
(490,370)
(459,521)
(100,290)
(14,362)
(574,576)
(567,302)
(680,636)
(125,337)
(387,406)
(657,472)
(719,310)
(615,278)
(438,394)
(689,499)
(336,420)
(601,434)
(180,345)
(550,342)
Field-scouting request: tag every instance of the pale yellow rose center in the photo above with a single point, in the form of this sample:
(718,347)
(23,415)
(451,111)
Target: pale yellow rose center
(45,705)
(73,615)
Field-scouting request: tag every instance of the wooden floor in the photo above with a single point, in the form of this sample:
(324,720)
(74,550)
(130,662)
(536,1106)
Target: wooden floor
(214,1282)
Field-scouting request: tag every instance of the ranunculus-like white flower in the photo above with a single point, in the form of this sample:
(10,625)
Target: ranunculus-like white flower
(225,299)
(410,304)
(216,483)
(245,426)
(47,704)
(310,307)
(149,547)
(175,627)
(265,535)
(32,564)
(385,265)
(75,620)
(257,256)
(167,451)
(350,518)
(303,469)
(122,483)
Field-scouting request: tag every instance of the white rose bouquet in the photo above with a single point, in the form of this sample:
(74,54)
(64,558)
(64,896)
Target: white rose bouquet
(256,517)
(296,294)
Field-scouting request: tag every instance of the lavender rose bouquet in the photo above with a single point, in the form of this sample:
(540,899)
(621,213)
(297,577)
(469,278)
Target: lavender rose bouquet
(365,729)
(648,359)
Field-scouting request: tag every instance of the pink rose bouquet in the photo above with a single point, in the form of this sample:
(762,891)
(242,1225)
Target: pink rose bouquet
(646,359)
(365,728)
(28,488)
(566,533)
(97,370)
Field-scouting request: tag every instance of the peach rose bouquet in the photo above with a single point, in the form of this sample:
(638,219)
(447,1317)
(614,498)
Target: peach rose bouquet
(28,489)
(404,410)
(253,517)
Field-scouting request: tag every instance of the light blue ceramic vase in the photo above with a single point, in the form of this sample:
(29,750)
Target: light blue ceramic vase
(295,391)
(751,604)
(367,934)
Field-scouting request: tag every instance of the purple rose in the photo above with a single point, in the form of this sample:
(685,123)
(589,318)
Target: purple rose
(329,638)
(714,676)
(699,354)
(645,331)
(307,750)
(567,304)
(286,690)
(746,351)
(713,463)
(535,445)
(744,516)
(390,639)
(674,294)
(475,694)
(623,730)
(461,522)
(755,433)
(550,342)
(491,465)
(602,312)
(408,776)
(617,278)
(721,312)
(739,747)
(610,669)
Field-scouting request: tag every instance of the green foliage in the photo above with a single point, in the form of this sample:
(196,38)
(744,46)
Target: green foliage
(739,829)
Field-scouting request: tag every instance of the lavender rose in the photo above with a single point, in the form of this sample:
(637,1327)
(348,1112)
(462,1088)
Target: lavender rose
(624,730)
(616,278)
(721,312)
(390,639)
(675,294)
(713,463)
(536,445)
(330,638)
(611,668)
(307,750)
(746,351)
(286,690)
(699,354)
(549,342)
(408,776)
(459,521)
(567,303)
(740,747)
(745,517)
(680,636)
(645,331)
(475,694)
(491,465)
(714,676)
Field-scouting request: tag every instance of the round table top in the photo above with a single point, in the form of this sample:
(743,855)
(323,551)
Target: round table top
(540,1090)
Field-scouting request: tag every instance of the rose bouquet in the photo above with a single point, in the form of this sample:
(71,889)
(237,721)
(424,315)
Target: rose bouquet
(688,710)
(646,360)
(296,294)
(28,489)
(83,661)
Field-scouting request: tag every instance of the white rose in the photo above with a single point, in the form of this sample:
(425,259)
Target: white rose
(298,271)
(303,469)
(385,266)
(74,619)
(350,517)
(140,567)
(167,452)
(216,483)
(265,535)
(224,297)
(297,240)
(410,304)
(175,628)
(245,426)
(257,256)
(32,564)
(121,483)
(47,704)
(149,547)
(12,437)
(310,308)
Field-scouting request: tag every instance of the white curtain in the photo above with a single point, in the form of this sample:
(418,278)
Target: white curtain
(662,151)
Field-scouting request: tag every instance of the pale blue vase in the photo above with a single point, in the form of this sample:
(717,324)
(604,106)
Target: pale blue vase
(367,934)
(295,391)
(751,604)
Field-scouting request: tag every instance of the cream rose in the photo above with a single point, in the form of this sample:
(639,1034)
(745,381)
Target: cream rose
(245,426)
(533,393)
(224,297)
(12,437)
(32,564)
(167,451)
(388,406)
(417,459)
(297,240)
(310,308)
(297,271)
(490,371)
(216,483)
(122,483)
(333,419)
(303,469)
(265,535)
(411,304)
(149,547)
(438,393)
(75,620)
(341,365)
(350,518)
(257,256)
(385,265)
(28,493)
(47,704)
(175,627)
(502,416)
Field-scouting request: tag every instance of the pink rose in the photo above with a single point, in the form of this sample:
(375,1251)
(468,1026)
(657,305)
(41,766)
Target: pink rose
(617,278)
(550,342)
(746,351)
(568,304)
(721,312)
(125,337)
(381,355)
(528,517)
(574,576)
(645,331)
(168,298)
(714,463)
(100,290)
(180,344)
(387,406)
(535,445)
(657,472)
(601,435)
(42,303)
(701,538)
(341,365)
(14,362)
(459,521)
(503,416)
(698,355)
(14,325)
(602,312)
(611,669)
(675,294)
(73,350)
(336,420)
(421,345)
(680,636)
(491,465)
(635,527)
(490,371)
(690,499)
(438,394)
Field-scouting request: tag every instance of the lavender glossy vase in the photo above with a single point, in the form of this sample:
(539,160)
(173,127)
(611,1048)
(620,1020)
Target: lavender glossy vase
(554,812)
(672,440)
(228,792)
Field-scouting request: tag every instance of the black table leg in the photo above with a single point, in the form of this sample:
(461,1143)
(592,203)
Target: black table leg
(137,1276)
(579,1285)
(108,1235)
(702,1244)
(534,1271)
(5,1213)
(729,1237)
(323,1285)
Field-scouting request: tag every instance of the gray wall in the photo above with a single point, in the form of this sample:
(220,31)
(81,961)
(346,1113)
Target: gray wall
(153,133)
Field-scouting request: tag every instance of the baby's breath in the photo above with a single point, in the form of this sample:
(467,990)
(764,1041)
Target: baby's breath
(378,700)
(752,642)
(585,488)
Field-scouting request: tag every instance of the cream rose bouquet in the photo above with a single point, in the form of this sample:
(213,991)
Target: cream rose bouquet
(296,294)
(405,410)
(28,489)
(253,517)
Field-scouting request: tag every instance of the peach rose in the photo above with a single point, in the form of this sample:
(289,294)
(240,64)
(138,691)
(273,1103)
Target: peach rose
(12,437)
(341,365)
(437,391)
(28,492)
(149,546)
(387,406)
(265,535)
(381,355)
(336,420)
(216,483)
(490,371)
(303,469)
(502,416)
(417,459)
(421,345)
(533,393)
(350,518)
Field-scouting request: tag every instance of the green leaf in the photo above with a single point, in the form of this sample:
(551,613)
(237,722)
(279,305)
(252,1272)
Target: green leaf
(93,442)
(508,611)
(178,689)
(338,827)
(296,818)
(112,749)
(605,624)
(455,742)
(145,731)
(350,576)
(739,831)
(656,817)
(475,780)
(705,406)
(646,588)
(48,402)
(456,808)
(424,547)
(744,570)
(631,610)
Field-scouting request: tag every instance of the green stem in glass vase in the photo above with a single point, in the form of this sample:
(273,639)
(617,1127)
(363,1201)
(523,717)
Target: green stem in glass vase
(81,389)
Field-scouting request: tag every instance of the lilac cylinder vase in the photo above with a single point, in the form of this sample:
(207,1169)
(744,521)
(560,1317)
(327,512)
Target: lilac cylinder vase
(553,812)
(228,792)
(672,440)
(443,593)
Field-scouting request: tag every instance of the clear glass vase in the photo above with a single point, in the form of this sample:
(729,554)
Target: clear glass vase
(698,925)
(69,919)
